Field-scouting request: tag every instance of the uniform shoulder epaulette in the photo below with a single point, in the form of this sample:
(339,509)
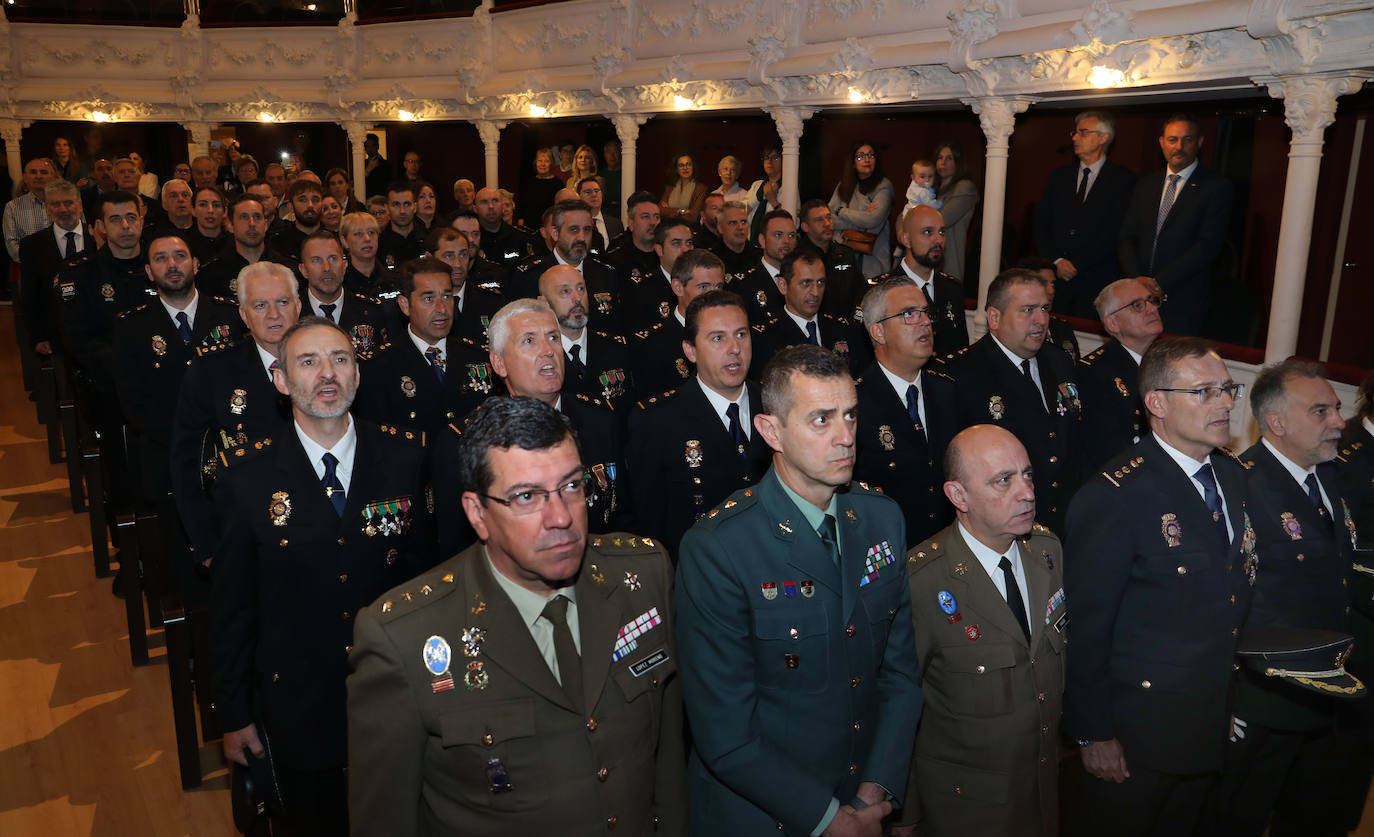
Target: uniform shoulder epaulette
(225,301)
(366,352)
(402,433)
(1095,354)
(473,343)
(379,348)
(203,350)
(869,489)
(762,327)
(364,298)
(623,543)
(923,555)
(1232,455)
(127,311)
(1124,471)
(960,352)
(655,399)
(738,502)
(938,373)
(838,319)
(457,431)
(1040,530)
(591,400)
(79,258)
(244,452)
(648,332)
(419,591)
(617,338)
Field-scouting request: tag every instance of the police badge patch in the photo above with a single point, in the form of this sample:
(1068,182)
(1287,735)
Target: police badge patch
(885,437)
(159,345)
(280,508)
(996,408)
(664,309)
(408,386)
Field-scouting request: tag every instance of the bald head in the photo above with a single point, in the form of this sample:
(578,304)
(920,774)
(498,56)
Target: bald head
(565,195)
(564,289)
(989,483)
(923,236)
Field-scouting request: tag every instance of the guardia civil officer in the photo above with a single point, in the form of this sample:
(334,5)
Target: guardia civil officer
(315,527)
(529,685)
(1160,558)
(794,622)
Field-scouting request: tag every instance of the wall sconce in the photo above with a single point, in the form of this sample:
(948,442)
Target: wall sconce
(682,103)
(538,111)
(1103,77)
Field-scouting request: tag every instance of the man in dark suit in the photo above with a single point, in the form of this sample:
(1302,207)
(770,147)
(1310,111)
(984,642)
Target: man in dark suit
(844,280)
(322,265)
(801,281)
(1159,565)
(798,663)
(1176,225)
(648,297)
(42,253)
(595,364)
(922,234)
(690,449)
(1079,214)
(657,357)
(1109,378)
(905,420)
(572,226)
(1284,758)
(1012,378)
(316,527)
(560,712)
(992,667)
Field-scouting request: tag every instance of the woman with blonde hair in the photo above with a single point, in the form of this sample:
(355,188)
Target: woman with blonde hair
(584,166)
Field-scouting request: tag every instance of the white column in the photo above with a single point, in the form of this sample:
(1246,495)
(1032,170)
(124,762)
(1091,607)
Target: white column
(357,134)
(199,144)
(997,114)
(10,130)
(627,128)
(1309,108)
(490,132)
(789,121)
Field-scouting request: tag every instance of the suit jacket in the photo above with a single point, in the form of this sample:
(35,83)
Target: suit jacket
(361,317)
(1189,242)
(993,390)
(608,371)
(1109,383)
(39,260)
(987,752)
(1084,233)
(400,387)
(290,574)
(946,311)
(150,361)
(1305,583)
(835,333)
(1158,601)
(421,761)
(227,403)
(891,457)
(799,675)
(681,461)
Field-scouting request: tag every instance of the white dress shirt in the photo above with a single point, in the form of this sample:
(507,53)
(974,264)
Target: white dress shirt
(1299,474)
(343,451)
(190,308)
(1190,467)
(991,560)
(899,385)
(720,404)
(1016,361)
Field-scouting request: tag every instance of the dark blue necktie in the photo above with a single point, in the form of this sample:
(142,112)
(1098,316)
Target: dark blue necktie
(1314,493)
(912,399)
(184,327)
(328,309)
(812,335)
(575,360)
(736,429)
(1212,498)
(333,489)
(432,355)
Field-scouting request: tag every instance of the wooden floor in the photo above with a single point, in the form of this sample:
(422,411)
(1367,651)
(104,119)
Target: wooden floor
(86,745)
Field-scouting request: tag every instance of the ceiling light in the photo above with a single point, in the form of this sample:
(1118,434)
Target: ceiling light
(405,115)
(264,116)
(538,111)
(99,116)
(683,103)
(1103,77)
(856,95)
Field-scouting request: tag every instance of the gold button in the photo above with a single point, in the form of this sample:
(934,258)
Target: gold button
(1182,570)
(853,768)
(1051,434)
(345,615)
(1040,697)
(653,681)
(1044,729)
(982,669)
(1233,598)
(1144,684)
(343,578)
(591,725)
(611,821)
(488,740)
(857,725)
(793,632)
(341,541)
(854,684)
(1299,556)
(348,648)
(412,414)
(602,774)
(1053,459)
(1044,760)
(275,677)
(283,542)
(850,631)
(958,791)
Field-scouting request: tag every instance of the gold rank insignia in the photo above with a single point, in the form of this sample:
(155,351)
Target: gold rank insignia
(786,526)
(1173,531)
(280,508)
(408,386)
(478,606)
(995,407)
(762,297)
(664,310)
(849,513)
(159,345)
(682,367)
(597,575)
(961,568)
(885,437)
(238,401)
(1121,387)
(693,453)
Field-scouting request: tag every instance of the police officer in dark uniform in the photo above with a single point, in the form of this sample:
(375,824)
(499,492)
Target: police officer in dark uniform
(802,282)
(305,197)
(844,279)
(1109,377)
(922,234)
(318,525)
(473,305)
(366,274)
(424,378)
(527,352)
(1284,757)
(595,364)
(500,243)
(649,297)
(656,355)
(905,420)
(1011,378)
(759,287)
(322,264)
(1159,562)
(208,235)
(403,239)
(228,401)
(736,251)
(1061,330)
(633,257)
(482,272)
(247,224)
(692,447)
(572,225)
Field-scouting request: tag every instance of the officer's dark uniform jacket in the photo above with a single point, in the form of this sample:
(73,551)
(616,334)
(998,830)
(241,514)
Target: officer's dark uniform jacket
(362,317)
(478,307)
(1061,334)
(946,309)
(844,279)
(400,386)
(1109,384)
(835,333)
(648,298)
(738,264)
(1158,601)
(603,289)
(220,276)
(762,299)
(598,433)
(95,288)
(506,247)
(39,261)
(607,375)
(290,574)
(635,267)
(394,249)
(657,359)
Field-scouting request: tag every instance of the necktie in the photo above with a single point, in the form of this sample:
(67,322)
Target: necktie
(827,536)
(1314,493)
(736,429)
(812,335)
(1212,498)
(71,245)
(1170,194)
(328,309)
(276,364)
(1026,370)
(929,292)
(333,489)
(575,360)
(184,327)
(569,663)
(1083,185)
(436,361)
(1014,600)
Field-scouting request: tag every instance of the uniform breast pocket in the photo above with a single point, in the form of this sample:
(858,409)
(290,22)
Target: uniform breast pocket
(791,649)
(493,758)
(979,681)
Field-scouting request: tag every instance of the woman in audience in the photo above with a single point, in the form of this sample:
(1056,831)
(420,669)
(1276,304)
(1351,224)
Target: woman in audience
(66,164)
(426,205)
(729,168)
(536,195)
(959,197)
(861,205)
(147,181)
(507,205)
(584,165)
(331,213)
(684,196)
(358,233)
(765,194)
(336,183)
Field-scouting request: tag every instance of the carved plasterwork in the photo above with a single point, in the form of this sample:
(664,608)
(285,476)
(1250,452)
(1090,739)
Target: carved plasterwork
(97,99)
(1100,25)
(1309,102)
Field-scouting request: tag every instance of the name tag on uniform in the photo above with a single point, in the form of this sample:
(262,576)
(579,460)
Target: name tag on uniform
(652,661)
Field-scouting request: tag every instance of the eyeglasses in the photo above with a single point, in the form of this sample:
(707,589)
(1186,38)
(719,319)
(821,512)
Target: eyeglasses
(1211,393)
(1083,132)
(1138,306)
(910,316)
(533,500)
(865,155)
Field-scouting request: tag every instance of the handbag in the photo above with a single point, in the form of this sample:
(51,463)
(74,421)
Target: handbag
(859,241)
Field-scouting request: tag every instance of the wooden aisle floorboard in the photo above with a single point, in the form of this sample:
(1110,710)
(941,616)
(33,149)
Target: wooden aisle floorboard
(86,742)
